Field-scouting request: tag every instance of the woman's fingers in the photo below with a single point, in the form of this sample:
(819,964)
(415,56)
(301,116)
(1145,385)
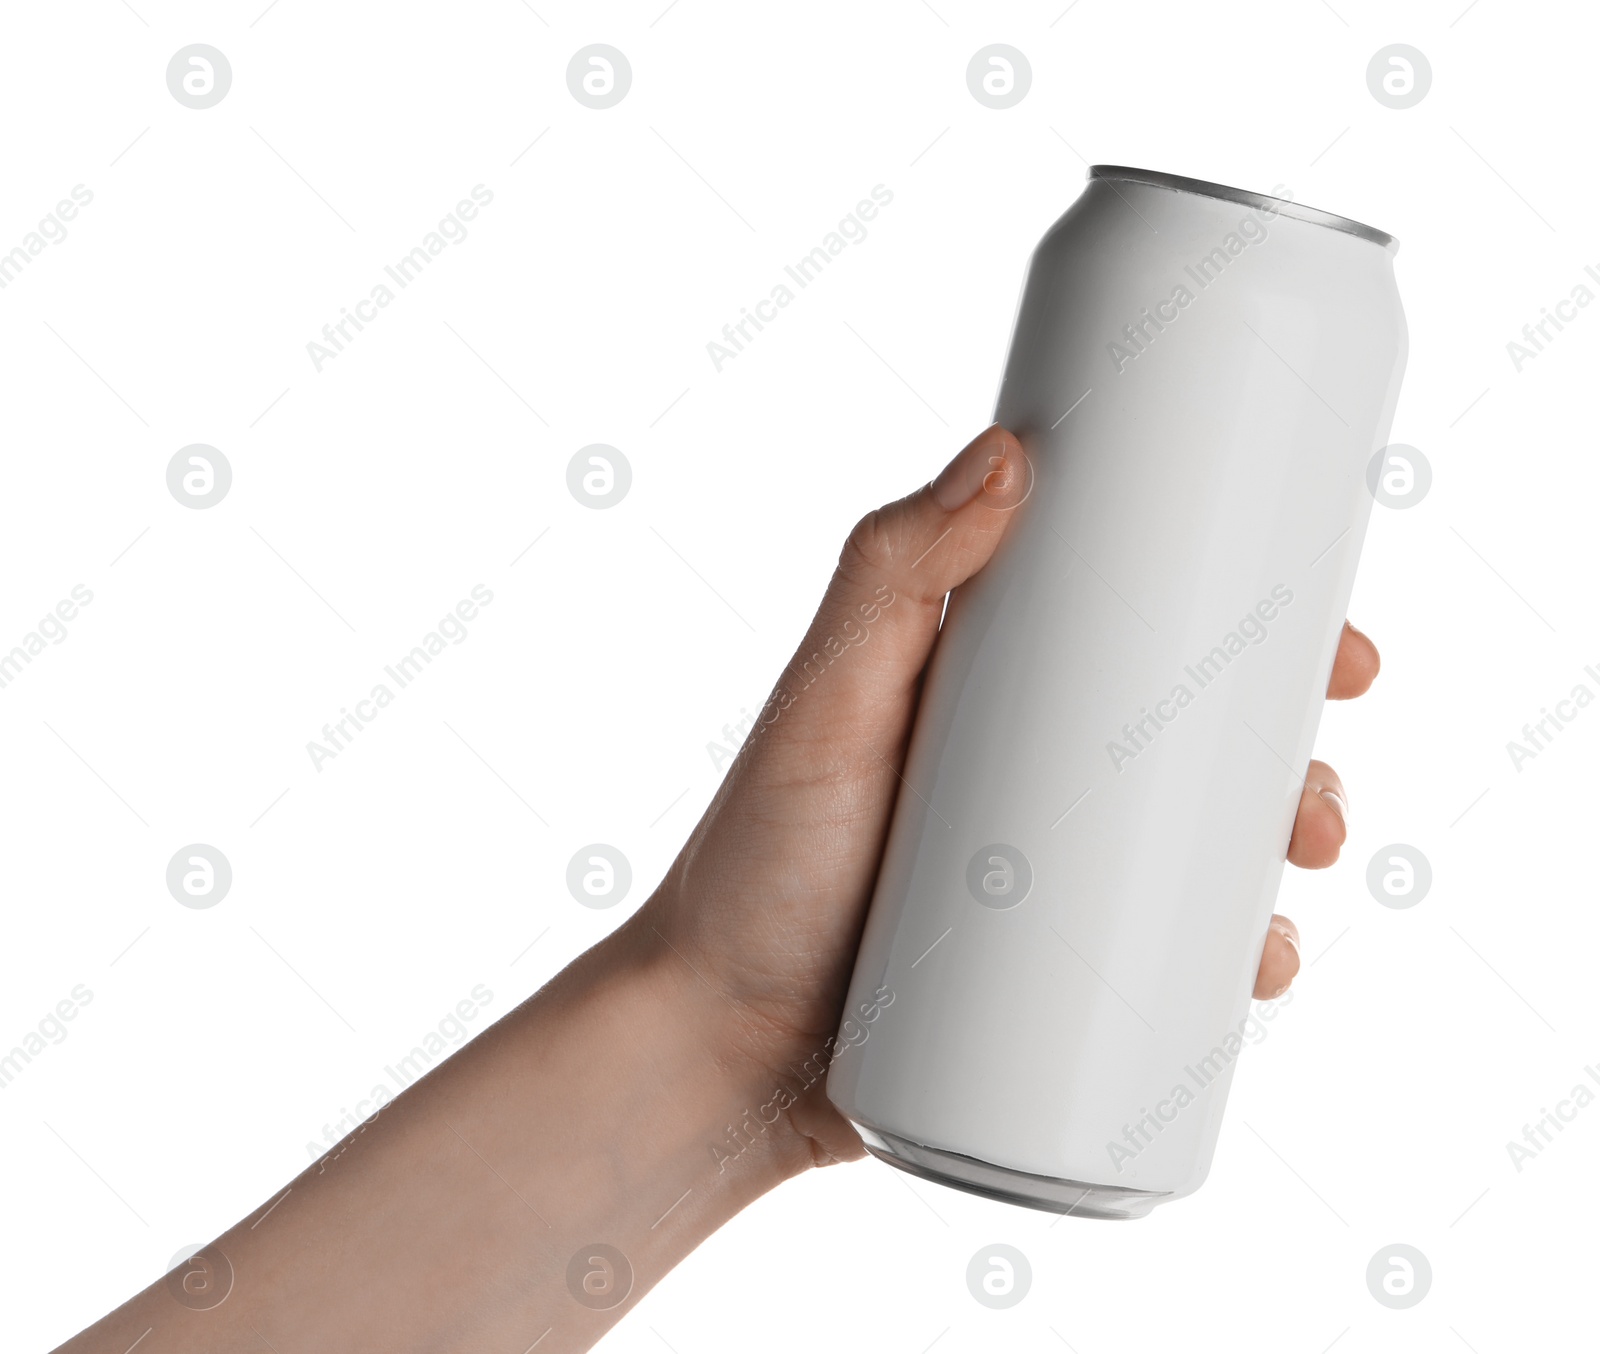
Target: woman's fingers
(1280,959)
(1320,825)
(850,690)
(1354,665)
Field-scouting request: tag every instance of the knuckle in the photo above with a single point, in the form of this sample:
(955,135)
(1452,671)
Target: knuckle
(870,547)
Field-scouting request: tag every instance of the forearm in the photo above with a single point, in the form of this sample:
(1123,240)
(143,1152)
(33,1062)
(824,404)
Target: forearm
(594,1114)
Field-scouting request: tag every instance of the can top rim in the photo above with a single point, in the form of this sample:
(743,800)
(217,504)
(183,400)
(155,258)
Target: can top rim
(1279,206)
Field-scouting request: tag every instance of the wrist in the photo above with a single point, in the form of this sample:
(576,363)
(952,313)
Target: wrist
(746,1101)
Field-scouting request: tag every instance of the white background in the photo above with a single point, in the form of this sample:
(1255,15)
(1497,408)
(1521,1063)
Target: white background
(370,897)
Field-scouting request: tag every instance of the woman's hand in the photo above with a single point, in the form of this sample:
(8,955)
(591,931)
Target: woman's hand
(528,1190)
(767,899)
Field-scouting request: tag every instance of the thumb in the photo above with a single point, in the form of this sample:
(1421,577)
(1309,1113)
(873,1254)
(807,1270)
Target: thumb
(852,684)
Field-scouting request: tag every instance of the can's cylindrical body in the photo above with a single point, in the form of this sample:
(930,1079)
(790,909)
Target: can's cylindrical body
(1054,983)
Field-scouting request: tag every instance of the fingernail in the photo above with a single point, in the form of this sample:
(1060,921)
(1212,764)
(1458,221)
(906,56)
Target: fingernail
(1288,933)
(961,481)
(1334,798)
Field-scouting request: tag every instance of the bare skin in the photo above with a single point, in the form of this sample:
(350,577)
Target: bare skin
(470,1213)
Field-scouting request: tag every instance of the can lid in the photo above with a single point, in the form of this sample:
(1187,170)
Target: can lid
(1277,205)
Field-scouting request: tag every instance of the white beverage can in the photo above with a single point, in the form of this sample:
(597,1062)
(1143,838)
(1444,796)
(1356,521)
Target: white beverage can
(1117,719)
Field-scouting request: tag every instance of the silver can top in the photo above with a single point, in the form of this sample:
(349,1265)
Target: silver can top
(1277,205)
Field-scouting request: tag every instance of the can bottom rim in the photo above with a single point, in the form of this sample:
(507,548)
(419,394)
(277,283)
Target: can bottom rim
(1001,1183)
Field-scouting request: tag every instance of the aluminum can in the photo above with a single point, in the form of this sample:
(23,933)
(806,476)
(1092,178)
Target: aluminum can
(1116,722)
